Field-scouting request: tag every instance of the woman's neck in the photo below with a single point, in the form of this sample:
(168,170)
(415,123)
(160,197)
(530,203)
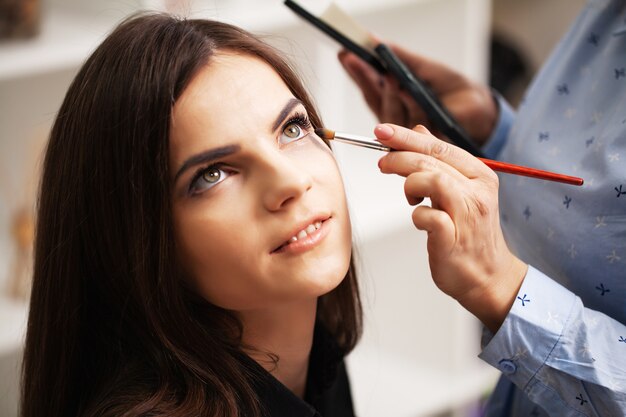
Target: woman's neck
(287,332)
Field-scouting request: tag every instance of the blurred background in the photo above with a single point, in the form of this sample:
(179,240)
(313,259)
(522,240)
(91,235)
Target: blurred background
(418,353)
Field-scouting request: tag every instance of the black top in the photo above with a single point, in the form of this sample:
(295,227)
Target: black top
(327,386)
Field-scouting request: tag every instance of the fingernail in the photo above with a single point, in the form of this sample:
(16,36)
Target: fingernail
(383,131)
(421,127)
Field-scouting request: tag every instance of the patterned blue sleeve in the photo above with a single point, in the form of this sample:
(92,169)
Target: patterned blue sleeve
(562,347)
(506,115)
(569,359)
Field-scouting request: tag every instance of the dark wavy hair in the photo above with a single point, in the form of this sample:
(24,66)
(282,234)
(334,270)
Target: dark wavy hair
(112,330)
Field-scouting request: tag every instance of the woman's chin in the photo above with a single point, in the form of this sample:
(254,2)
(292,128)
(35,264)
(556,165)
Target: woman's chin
(326,278)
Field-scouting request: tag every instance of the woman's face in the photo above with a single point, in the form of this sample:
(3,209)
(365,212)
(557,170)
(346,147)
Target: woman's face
(259,207)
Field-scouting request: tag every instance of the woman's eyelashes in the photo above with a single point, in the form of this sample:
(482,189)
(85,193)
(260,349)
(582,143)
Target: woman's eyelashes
(206,178)
(295,128)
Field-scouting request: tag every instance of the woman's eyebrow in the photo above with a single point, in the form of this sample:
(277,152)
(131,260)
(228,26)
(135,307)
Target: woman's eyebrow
(206,157)
(293,102)
(217,153)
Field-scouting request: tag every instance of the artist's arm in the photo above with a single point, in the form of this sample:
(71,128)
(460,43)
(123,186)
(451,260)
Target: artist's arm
(471,103)
(468,256)
(569,359)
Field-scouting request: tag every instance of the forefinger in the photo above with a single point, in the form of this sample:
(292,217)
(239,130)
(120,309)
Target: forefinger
(420,140)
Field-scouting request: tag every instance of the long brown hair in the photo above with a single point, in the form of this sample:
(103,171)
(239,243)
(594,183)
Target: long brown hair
(112,329)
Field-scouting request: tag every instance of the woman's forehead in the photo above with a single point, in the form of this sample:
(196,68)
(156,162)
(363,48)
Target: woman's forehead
(232,82)
(233,95)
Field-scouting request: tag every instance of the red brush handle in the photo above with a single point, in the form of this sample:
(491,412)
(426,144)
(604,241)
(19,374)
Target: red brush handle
(531,172)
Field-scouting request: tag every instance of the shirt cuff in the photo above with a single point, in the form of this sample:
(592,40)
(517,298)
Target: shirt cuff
(506,116)
(531,330)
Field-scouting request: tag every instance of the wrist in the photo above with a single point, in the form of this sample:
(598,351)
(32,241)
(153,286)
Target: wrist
(492,302)
(491,113)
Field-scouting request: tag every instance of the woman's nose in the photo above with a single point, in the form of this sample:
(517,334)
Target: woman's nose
(283,181)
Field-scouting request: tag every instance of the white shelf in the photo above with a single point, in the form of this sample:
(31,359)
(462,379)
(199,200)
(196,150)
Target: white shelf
(65,41)
(67,38)
(270,15)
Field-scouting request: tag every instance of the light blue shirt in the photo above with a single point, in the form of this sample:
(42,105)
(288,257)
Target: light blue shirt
(562,347)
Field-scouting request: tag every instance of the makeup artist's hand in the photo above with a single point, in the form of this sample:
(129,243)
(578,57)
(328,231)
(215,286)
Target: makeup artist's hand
(470,103)
(468,256)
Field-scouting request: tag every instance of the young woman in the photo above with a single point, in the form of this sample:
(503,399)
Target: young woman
(193,245)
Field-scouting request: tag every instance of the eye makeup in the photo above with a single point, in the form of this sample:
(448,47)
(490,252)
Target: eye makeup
(303,124)
(207,156)
(211,175)
(218,171)
(299,118)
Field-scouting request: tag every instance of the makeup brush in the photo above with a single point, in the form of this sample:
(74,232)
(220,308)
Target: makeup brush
(495,165)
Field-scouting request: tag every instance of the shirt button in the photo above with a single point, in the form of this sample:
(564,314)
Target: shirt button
(507,367)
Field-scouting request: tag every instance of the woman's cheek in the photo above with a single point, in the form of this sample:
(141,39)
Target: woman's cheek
(311,143)
(312,152)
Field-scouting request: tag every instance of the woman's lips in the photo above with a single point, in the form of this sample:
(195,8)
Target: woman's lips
(306,239)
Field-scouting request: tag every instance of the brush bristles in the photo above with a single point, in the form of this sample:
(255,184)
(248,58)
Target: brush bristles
(325,133)
(355,140)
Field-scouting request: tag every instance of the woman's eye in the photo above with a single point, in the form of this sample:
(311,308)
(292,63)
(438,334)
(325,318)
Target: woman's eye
(207,178)
(292,132)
